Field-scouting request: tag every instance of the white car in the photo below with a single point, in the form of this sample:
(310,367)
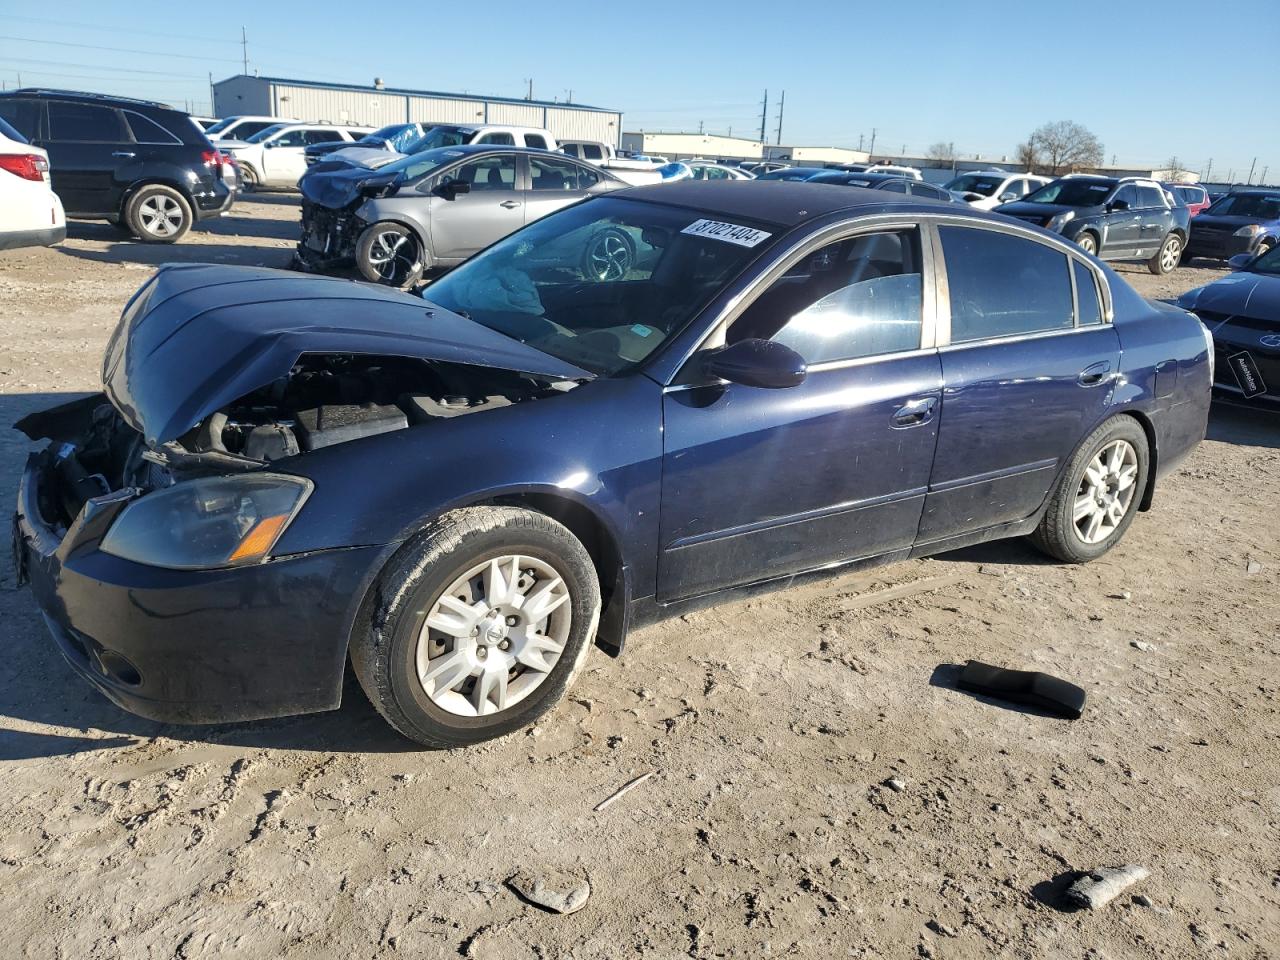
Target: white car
(709,170)
(911,173)
(275,157)
(30,212)
(986,190)
(242,127)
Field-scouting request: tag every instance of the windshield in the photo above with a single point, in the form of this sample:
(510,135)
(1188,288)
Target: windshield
(266,132)
(220,125)
(1269,262)
(604,283)
(975,183)
(790,173)
(382,134)
(442,136)
(417,164)
(1073,193)
(1264,206)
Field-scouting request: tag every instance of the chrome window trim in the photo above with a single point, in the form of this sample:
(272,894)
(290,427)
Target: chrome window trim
(1013,228)
(875,223)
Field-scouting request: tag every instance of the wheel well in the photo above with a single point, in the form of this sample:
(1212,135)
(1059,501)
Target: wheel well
(1153,455)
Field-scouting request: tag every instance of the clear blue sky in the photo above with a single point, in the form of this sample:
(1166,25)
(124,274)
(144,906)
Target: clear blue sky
(1150,80)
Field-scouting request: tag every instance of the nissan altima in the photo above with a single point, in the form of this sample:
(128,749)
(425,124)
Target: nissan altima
(462,493)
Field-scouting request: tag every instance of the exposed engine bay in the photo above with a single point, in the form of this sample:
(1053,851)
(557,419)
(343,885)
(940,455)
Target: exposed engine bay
(324,400)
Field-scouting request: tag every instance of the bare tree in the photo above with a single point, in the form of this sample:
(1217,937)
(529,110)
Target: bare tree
(941,153)
(1174,169)
(1064,146)
(1028,155)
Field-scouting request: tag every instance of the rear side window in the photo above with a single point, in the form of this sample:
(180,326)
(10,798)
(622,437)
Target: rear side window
(591,152)
(1003,286)
(535,140)
(1150,197)
(146,130)
(548,173)
(85,123)
(895,186)
(23,115)
(856,297)
(1088,306)
(504,139)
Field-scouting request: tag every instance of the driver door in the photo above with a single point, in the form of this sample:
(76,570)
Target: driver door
(282,157)
(491,209)
(759,483)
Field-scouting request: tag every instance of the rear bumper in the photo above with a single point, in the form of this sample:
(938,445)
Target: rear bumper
(44,237)
(180,646)
(214,201)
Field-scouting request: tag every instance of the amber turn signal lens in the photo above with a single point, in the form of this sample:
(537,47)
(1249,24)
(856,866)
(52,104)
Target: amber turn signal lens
(259,539)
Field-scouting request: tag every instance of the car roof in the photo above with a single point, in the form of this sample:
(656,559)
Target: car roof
(871,176)
(785,203)
(85,96)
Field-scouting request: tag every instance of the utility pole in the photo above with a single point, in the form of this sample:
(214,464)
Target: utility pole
(872,150)
(211,113)
(699,127)
(568,96)
(529,95)
(1251,166)
(1208,174)
(781,104)
(244,50)
(764,115)
(1262,177)
(860,143)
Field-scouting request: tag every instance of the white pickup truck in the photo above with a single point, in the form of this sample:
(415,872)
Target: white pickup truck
(604,155)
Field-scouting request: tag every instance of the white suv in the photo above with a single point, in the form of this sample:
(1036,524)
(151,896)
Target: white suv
(30,212)
(274,157)
(242,127)
(986,190)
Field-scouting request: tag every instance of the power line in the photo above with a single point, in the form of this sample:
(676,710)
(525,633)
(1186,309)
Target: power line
(145,53)
(129,30)
(103,66)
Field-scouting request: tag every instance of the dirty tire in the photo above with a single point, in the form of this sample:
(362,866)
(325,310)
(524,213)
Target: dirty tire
(390,254)
(248,179)
(1088,243)
(1057,534)
(1167,257)
(158,214)
(384,649)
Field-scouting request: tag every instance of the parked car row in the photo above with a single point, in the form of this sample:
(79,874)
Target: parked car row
(30,212)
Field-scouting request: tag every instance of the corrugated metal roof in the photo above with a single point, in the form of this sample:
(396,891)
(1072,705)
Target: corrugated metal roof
(404,91)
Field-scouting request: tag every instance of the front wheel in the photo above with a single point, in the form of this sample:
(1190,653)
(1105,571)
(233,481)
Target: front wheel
(390,254)
(1088,243)
(1098,494)
(480,627)
(1167,257)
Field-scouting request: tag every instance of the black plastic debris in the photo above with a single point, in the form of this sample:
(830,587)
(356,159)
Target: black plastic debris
(1028,687)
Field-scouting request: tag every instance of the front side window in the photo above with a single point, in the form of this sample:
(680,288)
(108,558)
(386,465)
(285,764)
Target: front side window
(491,173)
(602,284)
(1003,285)
(856,297)
(549,173)
(1127,195)
(85,123)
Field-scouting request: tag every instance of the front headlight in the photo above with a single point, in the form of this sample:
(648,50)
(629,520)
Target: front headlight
(1061,220)
(1251,230)
(207,523)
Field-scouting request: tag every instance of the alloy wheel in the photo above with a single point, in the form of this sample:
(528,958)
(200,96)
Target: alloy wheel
(393,256)
(161,215)
(1171,254)
(494,635)
(1106,492)
(1087,243)
(609,258)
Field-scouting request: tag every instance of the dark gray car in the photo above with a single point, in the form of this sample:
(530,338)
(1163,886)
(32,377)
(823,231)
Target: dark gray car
(434,209)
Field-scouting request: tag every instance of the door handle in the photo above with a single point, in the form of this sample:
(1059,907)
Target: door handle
(1094,374)
(124,154)
(914,412)
(509,204)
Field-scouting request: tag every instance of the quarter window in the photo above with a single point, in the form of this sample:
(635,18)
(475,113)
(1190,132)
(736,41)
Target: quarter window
(146,130)
(290,138)
(84,123)
(549,173)
(857,297)
(1002,285)
(1088,306)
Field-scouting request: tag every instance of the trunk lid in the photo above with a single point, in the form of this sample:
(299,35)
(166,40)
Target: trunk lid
(197,337)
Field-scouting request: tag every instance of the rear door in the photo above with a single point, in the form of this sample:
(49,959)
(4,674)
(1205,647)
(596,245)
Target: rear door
(471,221)
(1028,367)
(92,158)
(1157,218)
(555,182)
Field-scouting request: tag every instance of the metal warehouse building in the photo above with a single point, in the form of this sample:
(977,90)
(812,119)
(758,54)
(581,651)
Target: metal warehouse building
(378,105)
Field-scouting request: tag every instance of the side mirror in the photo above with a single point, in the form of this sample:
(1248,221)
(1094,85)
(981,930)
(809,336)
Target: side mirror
(1008,196)
(1118,205)
(1240,261)
(757,363)
(453,189)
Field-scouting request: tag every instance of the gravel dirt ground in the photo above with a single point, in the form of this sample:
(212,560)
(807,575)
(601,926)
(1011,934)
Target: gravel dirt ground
(772,726)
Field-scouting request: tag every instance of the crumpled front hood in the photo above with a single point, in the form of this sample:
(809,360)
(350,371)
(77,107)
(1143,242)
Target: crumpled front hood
(370,157)
(197,337)
(333,184)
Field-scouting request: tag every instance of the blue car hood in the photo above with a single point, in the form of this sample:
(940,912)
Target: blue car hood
(1252,295)
(336,184)
(198,337)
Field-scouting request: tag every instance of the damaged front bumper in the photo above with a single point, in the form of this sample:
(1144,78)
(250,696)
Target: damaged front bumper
(186,646)
(329,236)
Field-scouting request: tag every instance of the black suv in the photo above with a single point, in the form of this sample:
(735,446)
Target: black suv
(142,165)
(1115,218)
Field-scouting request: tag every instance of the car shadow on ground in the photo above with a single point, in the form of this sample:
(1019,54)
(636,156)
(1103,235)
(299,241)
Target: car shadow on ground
(1245,427)
(189,250)
(37,687)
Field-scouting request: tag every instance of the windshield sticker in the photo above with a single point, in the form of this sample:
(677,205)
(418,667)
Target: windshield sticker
(640,330)
(728,232)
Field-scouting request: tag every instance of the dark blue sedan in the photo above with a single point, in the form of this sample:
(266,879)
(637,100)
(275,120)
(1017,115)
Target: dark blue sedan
(461,494)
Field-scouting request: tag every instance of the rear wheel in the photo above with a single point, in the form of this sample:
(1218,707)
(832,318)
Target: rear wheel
(1167,257)
(390,254)
(1098,494)
(158,214)
(481,626)
(1088,243)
